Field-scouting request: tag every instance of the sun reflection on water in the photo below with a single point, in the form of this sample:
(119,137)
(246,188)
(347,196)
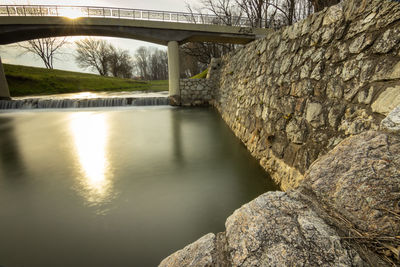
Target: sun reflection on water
(90,135)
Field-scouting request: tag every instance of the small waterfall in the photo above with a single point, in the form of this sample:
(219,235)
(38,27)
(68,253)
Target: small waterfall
(32,103)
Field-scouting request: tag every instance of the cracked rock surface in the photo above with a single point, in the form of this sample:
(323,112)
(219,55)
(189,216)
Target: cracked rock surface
(360,179)
(276,229)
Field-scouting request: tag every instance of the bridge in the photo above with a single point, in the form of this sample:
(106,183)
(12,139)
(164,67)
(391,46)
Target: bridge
(27,22)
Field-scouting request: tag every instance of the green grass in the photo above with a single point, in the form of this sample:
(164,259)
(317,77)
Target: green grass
(201,75)
(24,81)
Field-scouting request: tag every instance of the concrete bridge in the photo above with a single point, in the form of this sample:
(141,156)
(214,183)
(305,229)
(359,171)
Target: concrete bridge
(22,23)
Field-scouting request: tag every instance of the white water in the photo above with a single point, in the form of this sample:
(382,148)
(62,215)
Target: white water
(87,100)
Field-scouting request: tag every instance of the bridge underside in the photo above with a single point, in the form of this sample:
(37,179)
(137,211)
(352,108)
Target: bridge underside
(19,28)
(16,29)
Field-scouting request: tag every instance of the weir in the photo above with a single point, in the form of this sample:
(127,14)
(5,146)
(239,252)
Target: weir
(32,103)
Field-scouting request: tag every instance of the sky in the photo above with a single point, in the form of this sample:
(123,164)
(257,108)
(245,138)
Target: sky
(14,55)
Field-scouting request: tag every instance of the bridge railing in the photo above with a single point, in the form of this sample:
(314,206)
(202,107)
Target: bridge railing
(121,13)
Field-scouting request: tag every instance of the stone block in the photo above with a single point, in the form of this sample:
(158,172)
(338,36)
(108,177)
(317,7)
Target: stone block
(305,70)
(296,131)
(387,100)
(357,45)
(334,89)
(334,14)
(389,39)
(392,122)
(350,70)
(317,72)
(327,35)
(314,114)
(365,96)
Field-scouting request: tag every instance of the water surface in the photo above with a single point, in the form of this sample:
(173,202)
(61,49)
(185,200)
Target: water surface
(117,187)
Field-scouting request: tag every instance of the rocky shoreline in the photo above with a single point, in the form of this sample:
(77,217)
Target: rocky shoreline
(349,195)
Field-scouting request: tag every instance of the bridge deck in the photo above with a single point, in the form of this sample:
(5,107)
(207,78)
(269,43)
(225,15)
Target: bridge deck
(20,23)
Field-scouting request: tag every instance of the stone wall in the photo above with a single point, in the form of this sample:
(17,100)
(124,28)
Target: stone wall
(296,94)
(196,92)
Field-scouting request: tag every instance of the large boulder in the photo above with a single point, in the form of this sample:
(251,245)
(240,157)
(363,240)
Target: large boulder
(199,253)
(277,229)
(360,180)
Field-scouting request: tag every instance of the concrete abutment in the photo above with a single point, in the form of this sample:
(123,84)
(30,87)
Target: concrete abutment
(4,91)
(173,72)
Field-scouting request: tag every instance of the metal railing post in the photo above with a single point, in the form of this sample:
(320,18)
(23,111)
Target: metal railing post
(8,11)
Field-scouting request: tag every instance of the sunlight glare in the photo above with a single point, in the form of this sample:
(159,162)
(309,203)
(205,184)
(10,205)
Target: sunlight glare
(84,95)
(71,12)
(90,134)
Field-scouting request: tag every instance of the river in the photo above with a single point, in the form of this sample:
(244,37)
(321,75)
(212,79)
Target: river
(120,186)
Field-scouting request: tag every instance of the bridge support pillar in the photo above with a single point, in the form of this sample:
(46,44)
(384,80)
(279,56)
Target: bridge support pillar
(4,92)
(173,73)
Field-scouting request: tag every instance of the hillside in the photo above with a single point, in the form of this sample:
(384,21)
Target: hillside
(23,81)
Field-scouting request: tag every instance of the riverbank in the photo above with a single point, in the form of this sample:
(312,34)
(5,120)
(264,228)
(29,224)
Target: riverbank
(25,81)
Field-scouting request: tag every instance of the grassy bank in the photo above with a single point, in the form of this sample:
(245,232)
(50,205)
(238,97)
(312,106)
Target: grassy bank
(24,81)
(201,75)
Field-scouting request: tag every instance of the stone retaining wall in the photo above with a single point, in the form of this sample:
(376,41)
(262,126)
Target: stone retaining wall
(294,95)
(196,92)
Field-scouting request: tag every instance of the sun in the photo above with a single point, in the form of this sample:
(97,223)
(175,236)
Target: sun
(72,12)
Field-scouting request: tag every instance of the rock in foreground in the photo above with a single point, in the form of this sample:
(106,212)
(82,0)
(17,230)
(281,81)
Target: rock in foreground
(359,180)
(198,253)
(276,229)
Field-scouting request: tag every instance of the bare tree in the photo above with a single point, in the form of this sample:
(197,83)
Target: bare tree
(46,49)
(254,11)
(158,68)
(142,59)
(225,11)
(151,63)
(120,62)
(203,52)
(274,13)
(93,54)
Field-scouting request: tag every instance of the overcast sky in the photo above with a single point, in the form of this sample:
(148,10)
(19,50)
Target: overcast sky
(12,54)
